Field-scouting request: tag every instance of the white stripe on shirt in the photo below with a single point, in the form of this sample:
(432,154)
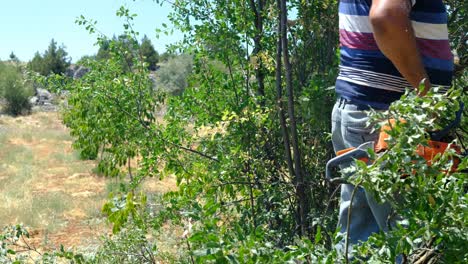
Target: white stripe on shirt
(361,24)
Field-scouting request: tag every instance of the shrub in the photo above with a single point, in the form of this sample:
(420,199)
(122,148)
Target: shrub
(172,76)
(15,89)
(128,246)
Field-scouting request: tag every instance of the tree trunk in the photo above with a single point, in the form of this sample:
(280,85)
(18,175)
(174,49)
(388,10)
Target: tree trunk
(257,7)
(279,101)
(303,204)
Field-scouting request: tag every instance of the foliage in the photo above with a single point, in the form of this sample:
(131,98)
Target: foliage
(15,89)
(15,248)
(128,246)
(165,56)
(247,139)
(13,58)
(133,48)
(221,137)
(103,51)
(85,58)
(458,26)
(55,60)
(149,54)
(173,75)
(431,201)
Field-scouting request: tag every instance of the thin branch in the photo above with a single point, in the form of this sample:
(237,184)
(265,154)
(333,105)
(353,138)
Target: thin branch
(146,126)
(348,223)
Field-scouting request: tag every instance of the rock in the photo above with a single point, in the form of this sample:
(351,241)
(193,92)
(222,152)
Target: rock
(33,100)
(70,71)
(80,72)
(43,96)
(76,71)
(43,101)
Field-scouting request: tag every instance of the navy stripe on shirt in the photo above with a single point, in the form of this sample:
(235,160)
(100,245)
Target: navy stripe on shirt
(366,2)
(430,6)
(429,17)
(354,9)
(434,16)
(376,98)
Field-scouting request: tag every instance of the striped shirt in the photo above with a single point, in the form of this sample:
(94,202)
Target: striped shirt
(366,76)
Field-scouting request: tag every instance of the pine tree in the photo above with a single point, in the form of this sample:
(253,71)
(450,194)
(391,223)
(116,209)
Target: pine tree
(37,64)
(13,57)
(55,60)
(103,52)
(150,55)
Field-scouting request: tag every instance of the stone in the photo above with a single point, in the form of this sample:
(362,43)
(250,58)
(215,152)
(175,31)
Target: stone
(80,72)
(43,96)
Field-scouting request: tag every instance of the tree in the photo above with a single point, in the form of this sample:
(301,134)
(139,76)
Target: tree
(103,52)
(232,89)
(165,56)
(132,48)
(55,60)
(122,43)
(150,55)
(13,57)
(37,64)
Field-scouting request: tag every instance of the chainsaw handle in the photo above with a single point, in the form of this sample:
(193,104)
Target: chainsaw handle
(438,135)
(357,153)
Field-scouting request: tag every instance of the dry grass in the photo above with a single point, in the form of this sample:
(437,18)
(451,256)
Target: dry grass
(45,185)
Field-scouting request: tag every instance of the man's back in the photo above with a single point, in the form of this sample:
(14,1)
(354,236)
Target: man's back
(367,76)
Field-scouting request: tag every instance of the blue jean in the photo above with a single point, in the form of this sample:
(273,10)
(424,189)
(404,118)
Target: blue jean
(349,129)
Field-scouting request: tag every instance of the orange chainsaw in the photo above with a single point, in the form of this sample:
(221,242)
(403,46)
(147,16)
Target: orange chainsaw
(435,146)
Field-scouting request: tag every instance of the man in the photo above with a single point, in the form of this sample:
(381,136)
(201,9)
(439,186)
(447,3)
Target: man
(386,46)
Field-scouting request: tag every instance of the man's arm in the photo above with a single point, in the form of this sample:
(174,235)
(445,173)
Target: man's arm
(395,38)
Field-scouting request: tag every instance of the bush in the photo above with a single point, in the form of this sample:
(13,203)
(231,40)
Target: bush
(172,76)
(15,90)
(128,246)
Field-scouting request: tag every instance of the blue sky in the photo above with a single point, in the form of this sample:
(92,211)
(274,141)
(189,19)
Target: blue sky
(27,26)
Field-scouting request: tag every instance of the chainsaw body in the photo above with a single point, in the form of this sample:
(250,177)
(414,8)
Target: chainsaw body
(428,152)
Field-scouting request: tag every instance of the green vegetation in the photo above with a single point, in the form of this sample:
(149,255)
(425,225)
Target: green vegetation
(431,200)
(13,58)
(173,75)
(14,89)
(149,54)
(247,138)
(458,27)
(54,60)
(143,51)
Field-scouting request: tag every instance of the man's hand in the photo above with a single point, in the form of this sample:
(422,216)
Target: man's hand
(396,39)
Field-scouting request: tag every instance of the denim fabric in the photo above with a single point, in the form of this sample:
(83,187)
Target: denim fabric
(349,129)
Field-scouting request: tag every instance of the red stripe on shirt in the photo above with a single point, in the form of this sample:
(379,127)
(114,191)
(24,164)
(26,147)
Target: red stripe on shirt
(434,48)
(355,40)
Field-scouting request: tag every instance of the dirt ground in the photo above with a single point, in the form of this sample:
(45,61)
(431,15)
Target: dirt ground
(45,185)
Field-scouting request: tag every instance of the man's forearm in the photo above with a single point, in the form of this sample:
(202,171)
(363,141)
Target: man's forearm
(395,38)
